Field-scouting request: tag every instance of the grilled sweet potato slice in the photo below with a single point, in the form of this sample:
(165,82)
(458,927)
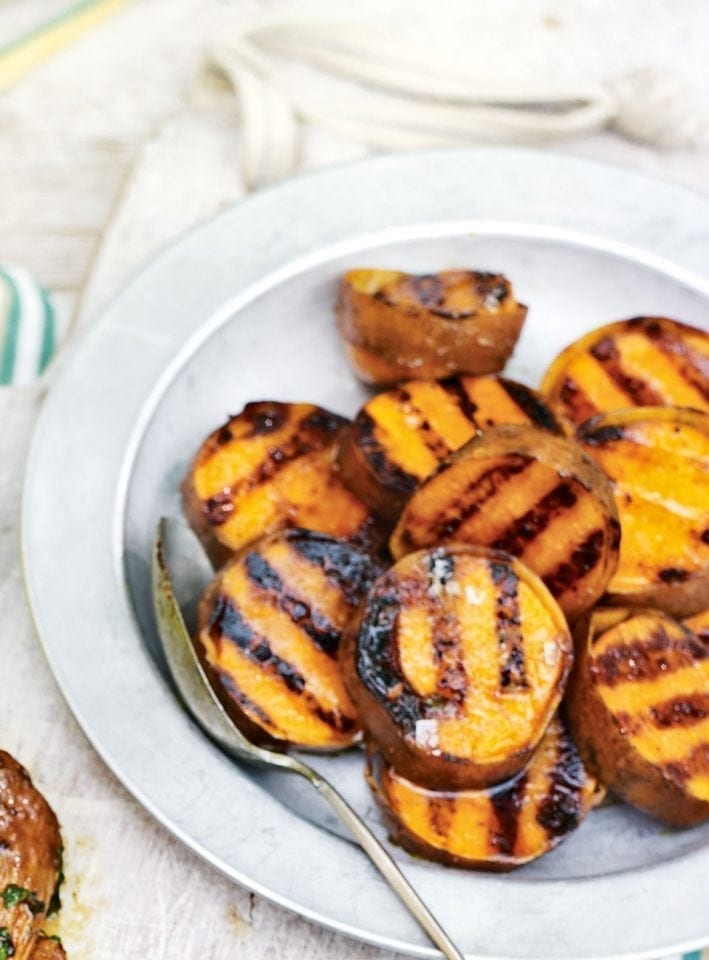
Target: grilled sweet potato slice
(657,459)
(269,631)
(270,467)
(30,860)
(396,326)
(533,494)
(646,361)
(456,665)
(638,706)
(401,435)
(495,829)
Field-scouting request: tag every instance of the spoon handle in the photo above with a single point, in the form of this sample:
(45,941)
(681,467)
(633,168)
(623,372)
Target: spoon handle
(386,865)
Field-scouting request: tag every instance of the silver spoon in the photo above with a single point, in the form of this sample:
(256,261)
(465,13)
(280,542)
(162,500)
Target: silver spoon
(207,710)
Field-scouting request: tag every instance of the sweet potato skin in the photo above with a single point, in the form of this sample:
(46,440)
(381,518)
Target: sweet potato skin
(365,682)
(510,824)
(401,435)
(666,586)
(603,743)
(520,446)
(396,326)
(645,361)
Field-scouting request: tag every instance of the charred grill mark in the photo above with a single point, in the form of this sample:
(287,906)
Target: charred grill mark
(395,477)
(227,622)
(219,508)
(321,631)
(455,389)
(225,435)
(684,769)
(530,404)
(601,436)
(441,811)
(325,421)
(522,531)
(639,391)
(246,703)
(583,560)
(428,289)
(433,440)
(482,489)
(680,713)
(658,655)
(378,663)
(452,681)
(576,401)
(509,627)
(351,570)
(689,363)
(507,804)
(265,417)
(673,575)
(705,536)
(561,809)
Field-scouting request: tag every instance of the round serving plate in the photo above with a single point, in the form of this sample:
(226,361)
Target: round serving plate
(241,309)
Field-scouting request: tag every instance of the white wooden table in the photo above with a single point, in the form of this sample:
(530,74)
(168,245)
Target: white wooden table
(106,152)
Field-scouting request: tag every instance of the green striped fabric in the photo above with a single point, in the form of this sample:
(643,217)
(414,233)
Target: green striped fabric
(28,327)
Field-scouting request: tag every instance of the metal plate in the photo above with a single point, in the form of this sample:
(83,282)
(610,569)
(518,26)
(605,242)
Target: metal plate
(241,309)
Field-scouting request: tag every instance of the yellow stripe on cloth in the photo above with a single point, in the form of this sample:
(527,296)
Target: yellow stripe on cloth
(23,55)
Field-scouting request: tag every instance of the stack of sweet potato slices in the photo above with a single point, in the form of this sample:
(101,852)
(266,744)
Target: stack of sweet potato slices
(537,629)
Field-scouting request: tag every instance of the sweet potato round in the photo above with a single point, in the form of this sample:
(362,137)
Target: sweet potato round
(533,494)
(646,361)
(496,829)
(400,436)
(396,326)
(638,707)
(269,630)
(456,665)
(270,467)
(657,459)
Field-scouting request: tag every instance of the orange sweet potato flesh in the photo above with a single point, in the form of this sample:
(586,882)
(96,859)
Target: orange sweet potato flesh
(269,631)
(268,468)
(456,665)
(657,459)
(535,495)
(496,829)
(396,326)
(646,361)
(400,436)
(30,856)
(638,706)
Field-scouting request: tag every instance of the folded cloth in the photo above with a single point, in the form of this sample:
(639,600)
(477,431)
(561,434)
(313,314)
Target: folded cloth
(28,327)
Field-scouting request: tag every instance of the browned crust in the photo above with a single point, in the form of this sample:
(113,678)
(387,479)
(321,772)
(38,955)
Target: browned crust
(30,852)
(604,748)
(48,949)
(389,342)
(416,762)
